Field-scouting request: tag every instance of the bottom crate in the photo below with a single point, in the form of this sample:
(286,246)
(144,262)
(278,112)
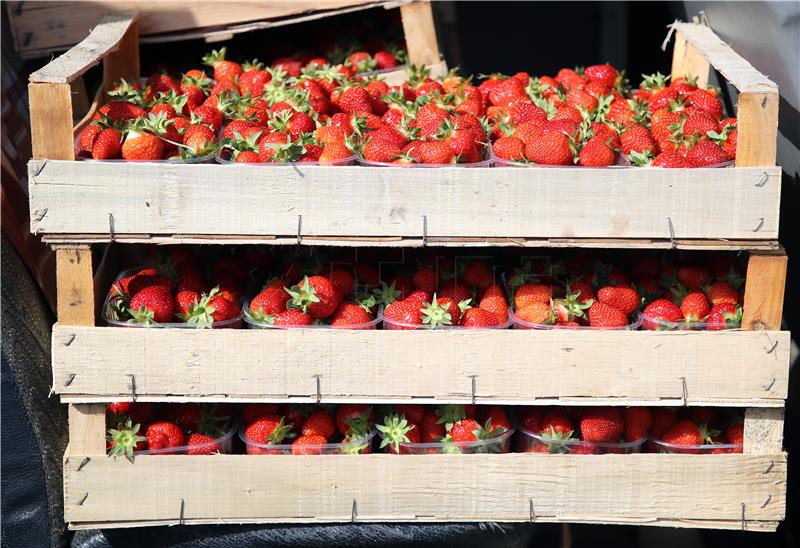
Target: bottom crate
(731,491)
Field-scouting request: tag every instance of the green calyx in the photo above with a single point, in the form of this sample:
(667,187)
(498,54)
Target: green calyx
(654,82)
(359,426)
(281,432)
(449,414)
(142,316)
(386,294)
(126,91)
(394,429)
(574,308)
(556,441)
(433,313)
(124,440)
(200,312)
(214,57)
(302,296)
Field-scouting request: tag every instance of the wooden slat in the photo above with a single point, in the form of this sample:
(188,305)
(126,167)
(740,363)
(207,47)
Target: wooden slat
(648,489)
(75,286)
(104,38)
(51,121)
(687,61)
(420,33)
(763,296)
(42,26)
(358,201)
(511,366)
(87,427)
(757,126)
(763,430)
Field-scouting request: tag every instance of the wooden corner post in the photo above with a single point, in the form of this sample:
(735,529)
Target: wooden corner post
(420,33)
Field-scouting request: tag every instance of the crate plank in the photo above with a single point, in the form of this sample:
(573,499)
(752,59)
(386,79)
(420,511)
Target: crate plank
(763,296)
(154,198)
(75,287)
(646,489)
(420,32)
(51,122)
(512,366)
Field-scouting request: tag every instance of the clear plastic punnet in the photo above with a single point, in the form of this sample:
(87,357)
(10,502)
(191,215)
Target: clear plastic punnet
(389,324)
(221,445)
(223,157)
(255,324)
(498,444)
(488,162)
(655,324)
(658,446)
(529,442)
(112,320)
(519,323)
(356,446)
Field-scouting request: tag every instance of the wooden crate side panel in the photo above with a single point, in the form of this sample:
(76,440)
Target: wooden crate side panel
(75,286)
(764,290)
(488,202)
(623,488)
(51,123)
(763,430)
(513,366)
(87,429)
(420,33)
(687,61)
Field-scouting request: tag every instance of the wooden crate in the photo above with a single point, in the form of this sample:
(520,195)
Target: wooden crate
(80,201)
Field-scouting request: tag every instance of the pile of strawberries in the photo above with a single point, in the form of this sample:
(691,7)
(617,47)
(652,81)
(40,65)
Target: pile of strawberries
(589,117)
(179,291)
(586,291)
(296,429)
(451,428)
(170,429)
(594,430)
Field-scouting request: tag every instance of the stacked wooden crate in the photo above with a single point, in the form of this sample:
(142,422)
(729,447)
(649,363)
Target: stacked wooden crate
(77,204)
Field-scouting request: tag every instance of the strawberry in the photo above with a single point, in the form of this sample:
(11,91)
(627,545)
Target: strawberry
(569,79)
(602,424)
(308,444)
(425,279)
(706,153)
(478,275)
(292,317)
(637,422)
(479,318)
(431,430)
(314,295)
(404,312)
(637,138)
(693,277)
(353,99)
(706,101)
(569,308)
(724,316)
(556,424)
(603,74)
(494,301)
(118,409)
(268,429)
(222,69)
(185,301)
(660,310)
(530,417)
(380,150)
(436,152)
(353,416)
(694,306)
(663,419)
(107,144)
(442,311)
(251,412)
(142,141)
(536,313)
(529,293)
(209,116)
(670,159)
(120,111)
(350,314)
(550,149)
(596,153)
(124,440)
(319,423)
(734,433)
(624,297)
(607,316)
(411,411)
(455,290)
(201,444)
(688,433)
(397,429)
(153,304)
(164,435)
(270,301)
(509,148)
(699,123)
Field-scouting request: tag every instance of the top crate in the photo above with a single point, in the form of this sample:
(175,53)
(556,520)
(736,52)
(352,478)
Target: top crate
(84,202)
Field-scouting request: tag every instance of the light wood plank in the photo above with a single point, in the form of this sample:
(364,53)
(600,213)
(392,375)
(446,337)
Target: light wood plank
(87,429)
(420,33)
(645,489)
(481,202)
(103,39)
(74,286)
(687,61)
(763,296)
(51,121)
(511,366)
(763,430)
(757,127)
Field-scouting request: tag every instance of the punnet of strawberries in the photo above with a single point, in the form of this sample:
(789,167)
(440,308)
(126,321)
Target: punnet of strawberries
(298,429)
(168,428)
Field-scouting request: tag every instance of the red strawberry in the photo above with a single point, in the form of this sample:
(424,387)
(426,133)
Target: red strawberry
(353,99)
(509,148)
(661,310)
(706,101)
(271,301)
(706,153)
(292,317)
(436,152)
(107,144)
(268,430)
(308,445)
(431,430)
(124,440)
(479,318)
(403,312)
(623,297)
(441,311)
(604,74)
(350,314)
(251,412)
(550,149)
(319,423)
(637,422)
(414,412)
(425,279)
(663,419)
(119,409)
(397,429)
(353,416)
(694,306)
(164,435)
(722,292)
(723,316)
(380,150)
(222,69)
(315,295)
(693,277)
(637,138)
(671,160)
(465,430)
(556,424)
(153,304)
(494,301)
(530,417)
(606,316)
(201,444)
(735,433)
(602,424)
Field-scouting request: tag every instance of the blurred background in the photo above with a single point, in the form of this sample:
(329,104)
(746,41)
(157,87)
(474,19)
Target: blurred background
(478,37)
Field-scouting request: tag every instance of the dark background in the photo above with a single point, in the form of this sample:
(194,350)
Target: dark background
(480,37)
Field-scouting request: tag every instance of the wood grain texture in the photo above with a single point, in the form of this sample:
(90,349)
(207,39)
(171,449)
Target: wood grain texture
(154,198)
(687,61)
(646,489)
(75,286)
(763,430)
(511,366)
(87,429)
(41,26)
(757,126)
(51,121)
(763,296)
(104,38)
(420,33)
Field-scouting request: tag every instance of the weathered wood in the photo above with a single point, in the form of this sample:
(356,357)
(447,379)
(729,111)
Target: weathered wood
(763,430)
(420,32)
(688,62)
(360,201)
(87,429)
(763,296)
(103,39)
(51,121)
(757,126)
(647,489)
(511,366)
(74,285)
